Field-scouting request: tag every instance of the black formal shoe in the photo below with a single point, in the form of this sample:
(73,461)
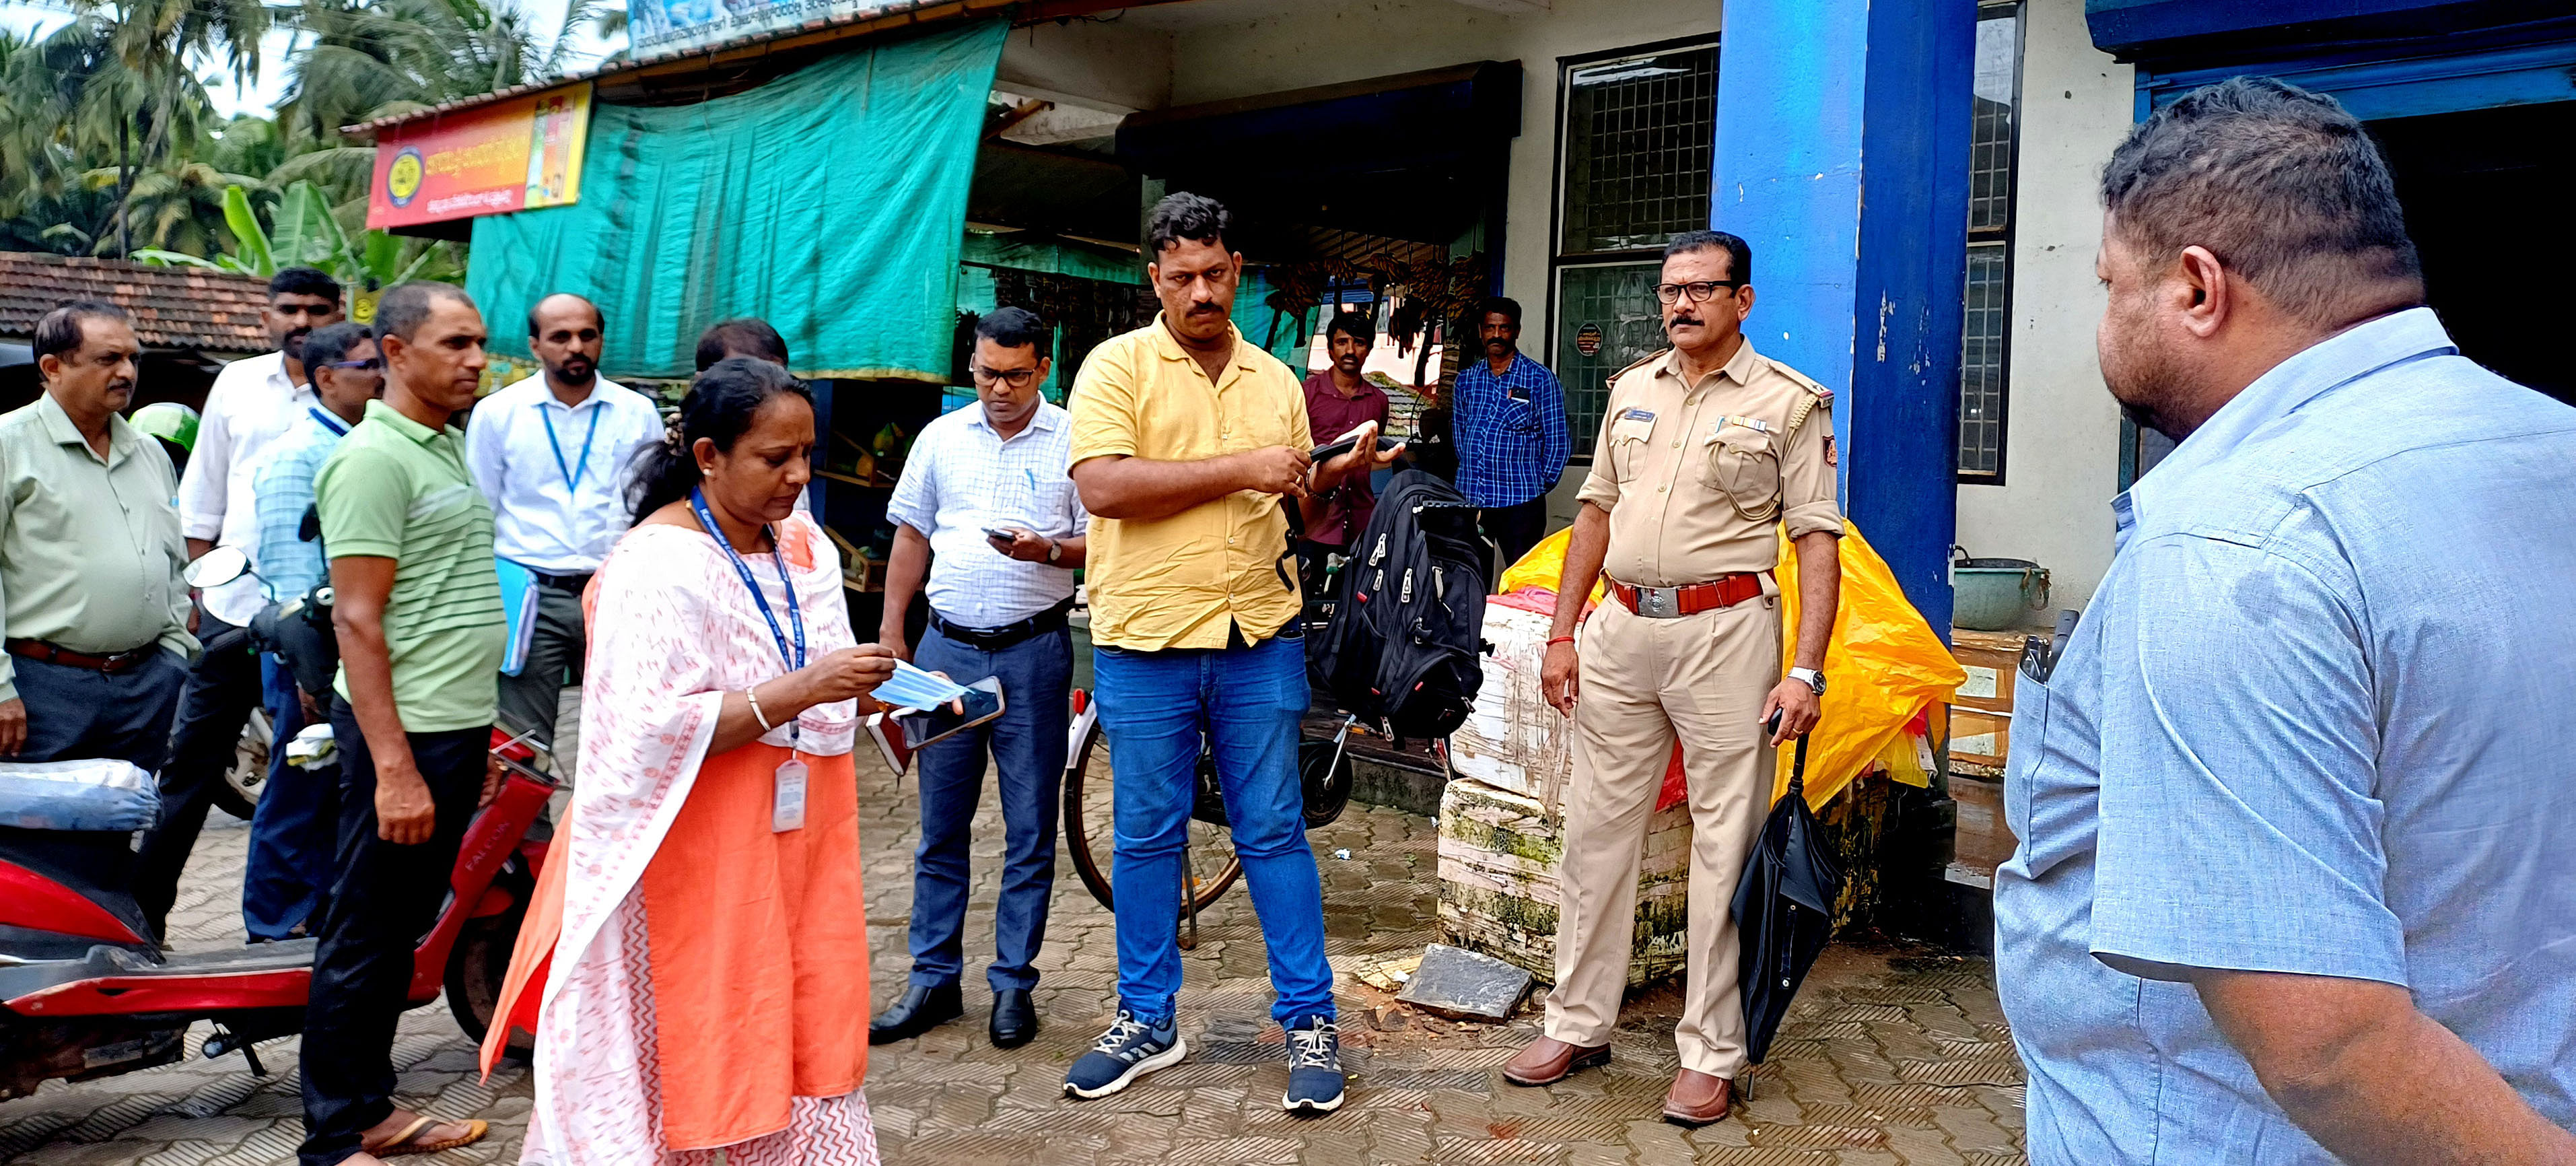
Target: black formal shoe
(920,1010)
(1015,1019)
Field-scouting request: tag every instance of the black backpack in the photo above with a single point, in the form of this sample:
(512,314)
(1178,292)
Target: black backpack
(1402,648)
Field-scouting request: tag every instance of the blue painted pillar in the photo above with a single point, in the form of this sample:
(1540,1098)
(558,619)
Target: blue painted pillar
(1842,158)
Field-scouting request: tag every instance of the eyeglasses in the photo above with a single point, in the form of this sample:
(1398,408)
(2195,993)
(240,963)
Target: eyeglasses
(372,362)
(1018,378)
(1697,290)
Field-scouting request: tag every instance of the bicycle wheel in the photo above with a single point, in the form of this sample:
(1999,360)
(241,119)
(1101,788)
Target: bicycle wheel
(1090,824)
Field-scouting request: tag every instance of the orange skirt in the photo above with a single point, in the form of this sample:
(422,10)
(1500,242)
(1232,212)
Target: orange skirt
(758,947)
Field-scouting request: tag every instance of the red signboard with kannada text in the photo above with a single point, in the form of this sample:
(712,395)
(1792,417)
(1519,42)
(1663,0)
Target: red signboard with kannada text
(512,155)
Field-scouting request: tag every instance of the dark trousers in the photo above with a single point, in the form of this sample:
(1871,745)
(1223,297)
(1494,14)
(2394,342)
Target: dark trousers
(222,690)
(79,713)
(383,898)
(531,699)
(1515,529)
(1027,747)
(293,829)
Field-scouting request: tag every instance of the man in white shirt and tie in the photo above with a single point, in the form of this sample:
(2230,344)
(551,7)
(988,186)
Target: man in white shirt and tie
(553,454)
(985,507)
(251,405)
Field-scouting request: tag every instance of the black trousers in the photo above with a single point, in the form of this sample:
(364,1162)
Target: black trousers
(383,898)
(75,713)
(222,690)
(1515,529)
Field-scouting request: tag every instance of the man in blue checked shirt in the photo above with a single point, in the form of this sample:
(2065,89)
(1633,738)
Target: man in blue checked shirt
(294,831)
(1510,430)
(985,488)
(2296,880)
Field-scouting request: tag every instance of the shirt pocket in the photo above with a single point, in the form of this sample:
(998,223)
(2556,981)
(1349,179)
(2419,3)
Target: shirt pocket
(1517,415)
(1628,438)
(1743,463)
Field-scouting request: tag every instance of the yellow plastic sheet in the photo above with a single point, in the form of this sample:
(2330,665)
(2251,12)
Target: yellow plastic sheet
(1883,667)
(1544,566)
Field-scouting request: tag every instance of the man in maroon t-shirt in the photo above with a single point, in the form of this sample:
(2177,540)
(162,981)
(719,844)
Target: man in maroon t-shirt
(1338,399)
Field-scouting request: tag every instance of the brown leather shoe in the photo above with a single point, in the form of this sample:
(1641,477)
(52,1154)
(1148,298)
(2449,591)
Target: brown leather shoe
(1547,1060)
(1697,1099)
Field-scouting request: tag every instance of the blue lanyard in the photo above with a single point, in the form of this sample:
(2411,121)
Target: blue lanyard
(795,614)
(572,473)
(337,427)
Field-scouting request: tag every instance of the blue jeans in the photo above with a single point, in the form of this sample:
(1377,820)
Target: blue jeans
(1027,746)
(1248,701)
(295,826)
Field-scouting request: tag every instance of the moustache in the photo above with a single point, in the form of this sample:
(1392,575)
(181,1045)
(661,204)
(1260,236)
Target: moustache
(1678,321)
(1206,310)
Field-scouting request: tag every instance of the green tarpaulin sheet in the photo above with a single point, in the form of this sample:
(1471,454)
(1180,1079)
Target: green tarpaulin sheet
(829,202)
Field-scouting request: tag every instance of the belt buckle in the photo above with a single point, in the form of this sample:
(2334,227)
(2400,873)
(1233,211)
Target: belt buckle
(1659,602)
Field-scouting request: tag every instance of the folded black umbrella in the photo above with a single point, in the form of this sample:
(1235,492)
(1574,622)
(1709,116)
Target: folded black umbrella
(1784,910)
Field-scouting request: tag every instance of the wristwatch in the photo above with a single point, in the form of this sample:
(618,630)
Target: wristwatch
(1055,551)
(1809,677)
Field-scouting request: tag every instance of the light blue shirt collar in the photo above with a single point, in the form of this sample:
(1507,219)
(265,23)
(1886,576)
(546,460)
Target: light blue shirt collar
(2329,364)
(1045,420)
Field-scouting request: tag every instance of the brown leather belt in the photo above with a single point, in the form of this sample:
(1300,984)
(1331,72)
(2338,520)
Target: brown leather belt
(1689,598)
(50,654)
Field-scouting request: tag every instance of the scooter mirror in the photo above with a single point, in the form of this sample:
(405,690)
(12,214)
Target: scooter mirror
(217,567)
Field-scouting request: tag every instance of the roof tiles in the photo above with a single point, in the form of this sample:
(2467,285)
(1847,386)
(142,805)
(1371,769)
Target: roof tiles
(173,307)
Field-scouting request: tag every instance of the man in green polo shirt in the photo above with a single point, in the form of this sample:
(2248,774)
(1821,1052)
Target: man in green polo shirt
(418,608)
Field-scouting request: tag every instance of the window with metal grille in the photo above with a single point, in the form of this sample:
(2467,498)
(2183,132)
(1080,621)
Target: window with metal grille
(1984,339)
(1637,135)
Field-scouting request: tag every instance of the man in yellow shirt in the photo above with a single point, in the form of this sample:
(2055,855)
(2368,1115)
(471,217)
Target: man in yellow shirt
(1184,440)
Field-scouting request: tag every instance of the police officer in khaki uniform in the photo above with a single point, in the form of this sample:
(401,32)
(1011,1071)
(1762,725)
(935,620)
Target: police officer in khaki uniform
(1705,448)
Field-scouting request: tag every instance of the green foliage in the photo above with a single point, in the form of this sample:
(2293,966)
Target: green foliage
(305,231)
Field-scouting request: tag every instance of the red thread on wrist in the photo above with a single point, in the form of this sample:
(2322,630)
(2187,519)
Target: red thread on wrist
(1560,640)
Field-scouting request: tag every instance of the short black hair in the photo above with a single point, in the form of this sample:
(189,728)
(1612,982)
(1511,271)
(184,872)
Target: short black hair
(742,336)
(1358,326)
(406,306)
(1739,254)
(62,330)
(1504,305)
(303,281)
(331,345)
(586,301)
(2284,186)
(1194,217)
(1014,328)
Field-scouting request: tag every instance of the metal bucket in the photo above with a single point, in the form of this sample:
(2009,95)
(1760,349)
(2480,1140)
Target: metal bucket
(1993,595)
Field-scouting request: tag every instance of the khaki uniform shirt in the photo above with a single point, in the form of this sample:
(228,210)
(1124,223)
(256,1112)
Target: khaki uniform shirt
(89,547)
(1186,580)
(1695,476)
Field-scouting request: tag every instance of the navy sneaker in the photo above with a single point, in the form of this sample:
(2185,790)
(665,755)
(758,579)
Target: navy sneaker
(1127,1051)
(1314,1067)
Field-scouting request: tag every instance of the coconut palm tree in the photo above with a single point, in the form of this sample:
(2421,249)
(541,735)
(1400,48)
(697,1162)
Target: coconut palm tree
(376,58)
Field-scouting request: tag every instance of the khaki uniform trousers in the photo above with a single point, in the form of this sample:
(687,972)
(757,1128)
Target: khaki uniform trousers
(1643,682)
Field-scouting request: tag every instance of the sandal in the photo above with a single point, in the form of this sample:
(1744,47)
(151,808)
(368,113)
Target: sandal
(402,1143)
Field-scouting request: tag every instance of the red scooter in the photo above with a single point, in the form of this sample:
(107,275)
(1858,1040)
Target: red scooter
(85,992)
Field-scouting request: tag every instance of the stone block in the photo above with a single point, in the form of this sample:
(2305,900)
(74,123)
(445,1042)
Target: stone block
(1500,854)
(1465,985)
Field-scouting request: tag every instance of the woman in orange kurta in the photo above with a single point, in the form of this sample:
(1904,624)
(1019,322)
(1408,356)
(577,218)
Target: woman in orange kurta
(700,931)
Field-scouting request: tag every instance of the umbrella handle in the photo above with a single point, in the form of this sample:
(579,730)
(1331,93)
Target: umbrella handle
(1798,767)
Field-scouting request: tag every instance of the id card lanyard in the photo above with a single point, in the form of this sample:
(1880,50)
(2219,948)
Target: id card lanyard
(572,473)
(787,803)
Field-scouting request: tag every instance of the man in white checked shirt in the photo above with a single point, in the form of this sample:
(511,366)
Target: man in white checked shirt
(985,505)
(552,454)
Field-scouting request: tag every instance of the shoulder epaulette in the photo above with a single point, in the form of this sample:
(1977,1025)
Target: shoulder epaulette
(1649,358)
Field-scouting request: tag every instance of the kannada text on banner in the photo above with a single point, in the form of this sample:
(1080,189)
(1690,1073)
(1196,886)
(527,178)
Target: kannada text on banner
(511,155)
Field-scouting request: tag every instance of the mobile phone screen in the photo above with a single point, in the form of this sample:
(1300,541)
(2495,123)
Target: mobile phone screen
(983,702)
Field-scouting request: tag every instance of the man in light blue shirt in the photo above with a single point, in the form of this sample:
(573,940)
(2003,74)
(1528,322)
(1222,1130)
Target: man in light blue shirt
(985,509)
(294,829)
(2297,871)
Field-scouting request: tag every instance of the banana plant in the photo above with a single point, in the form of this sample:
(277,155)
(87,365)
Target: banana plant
(303,231)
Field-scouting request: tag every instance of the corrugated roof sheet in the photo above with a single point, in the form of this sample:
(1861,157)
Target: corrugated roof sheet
(173,307)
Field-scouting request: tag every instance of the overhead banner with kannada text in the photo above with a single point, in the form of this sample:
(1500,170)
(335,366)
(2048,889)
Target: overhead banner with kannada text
(511,155)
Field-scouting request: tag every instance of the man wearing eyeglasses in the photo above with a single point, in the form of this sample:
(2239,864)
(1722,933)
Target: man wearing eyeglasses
(552,453)
(984,508)
(294,830)
(1707,448)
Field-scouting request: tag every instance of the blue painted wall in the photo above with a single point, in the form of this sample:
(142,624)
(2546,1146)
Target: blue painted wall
(1842,157)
